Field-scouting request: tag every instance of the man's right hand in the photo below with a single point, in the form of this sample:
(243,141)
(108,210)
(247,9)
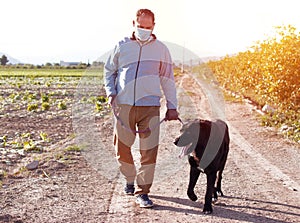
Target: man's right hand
(171,114)
(112,101)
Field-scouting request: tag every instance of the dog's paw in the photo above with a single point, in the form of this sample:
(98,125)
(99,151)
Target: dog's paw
(192,195)
(214,200)
(219,192)
(207,209)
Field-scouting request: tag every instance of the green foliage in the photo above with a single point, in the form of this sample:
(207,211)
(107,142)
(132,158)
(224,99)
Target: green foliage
(102,99)
(44,98)
(29,145)
(99,101)
(32,107)
(48,65)
(62,105)
(3,174)
(44,136)
(45,106)
(287,122)
(43,72)
(73,148)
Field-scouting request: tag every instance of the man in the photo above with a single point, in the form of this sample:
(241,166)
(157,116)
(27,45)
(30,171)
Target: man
(135,72)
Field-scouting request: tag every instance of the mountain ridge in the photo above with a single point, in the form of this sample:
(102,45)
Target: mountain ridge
(178,53)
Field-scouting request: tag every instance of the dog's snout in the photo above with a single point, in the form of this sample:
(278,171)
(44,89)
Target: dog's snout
(176,141)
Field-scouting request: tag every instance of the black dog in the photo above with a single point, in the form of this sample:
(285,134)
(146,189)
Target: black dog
(208,141)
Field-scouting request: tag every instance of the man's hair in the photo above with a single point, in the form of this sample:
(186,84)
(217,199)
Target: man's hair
(147,12)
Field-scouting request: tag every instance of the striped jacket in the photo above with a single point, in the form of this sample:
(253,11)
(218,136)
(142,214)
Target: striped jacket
(137,73)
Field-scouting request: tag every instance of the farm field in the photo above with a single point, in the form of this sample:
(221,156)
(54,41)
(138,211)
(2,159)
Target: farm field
(36,109)
(61,121)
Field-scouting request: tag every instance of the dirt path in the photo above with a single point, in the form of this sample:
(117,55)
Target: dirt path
(261,179)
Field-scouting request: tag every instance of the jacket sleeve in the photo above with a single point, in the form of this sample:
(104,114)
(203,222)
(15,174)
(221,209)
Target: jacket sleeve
(111,72)
(167,80)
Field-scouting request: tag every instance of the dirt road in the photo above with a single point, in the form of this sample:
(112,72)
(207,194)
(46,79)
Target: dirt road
(261,179)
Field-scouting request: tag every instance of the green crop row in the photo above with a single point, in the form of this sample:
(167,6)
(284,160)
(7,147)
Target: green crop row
(14,72)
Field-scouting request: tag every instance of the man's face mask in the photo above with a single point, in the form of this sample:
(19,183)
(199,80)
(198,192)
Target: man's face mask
(142,34)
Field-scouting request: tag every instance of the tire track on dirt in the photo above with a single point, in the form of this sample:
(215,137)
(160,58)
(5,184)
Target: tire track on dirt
(259,160)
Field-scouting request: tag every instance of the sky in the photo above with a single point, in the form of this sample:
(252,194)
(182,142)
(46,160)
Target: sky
(40,31)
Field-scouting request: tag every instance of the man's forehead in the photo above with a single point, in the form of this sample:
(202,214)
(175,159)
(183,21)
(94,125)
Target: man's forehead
(144,17)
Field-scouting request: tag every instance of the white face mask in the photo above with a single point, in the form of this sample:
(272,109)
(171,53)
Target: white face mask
(142,34)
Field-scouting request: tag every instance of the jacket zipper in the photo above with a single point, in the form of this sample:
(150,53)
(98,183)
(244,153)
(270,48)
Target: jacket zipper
(136,73)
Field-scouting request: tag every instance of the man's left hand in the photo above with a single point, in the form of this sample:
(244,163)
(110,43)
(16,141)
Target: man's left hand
(171,114)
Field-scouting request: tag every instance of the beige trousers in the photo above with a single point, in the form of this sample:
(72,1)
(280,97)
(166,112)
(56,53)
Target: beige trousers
(130,119)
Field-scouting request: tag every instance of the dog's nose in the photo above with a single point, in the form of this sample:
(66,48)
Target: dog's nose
(176,141)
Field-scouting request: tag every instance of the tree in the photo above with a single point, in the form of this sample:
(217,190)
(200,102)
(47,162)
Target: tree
(4,60)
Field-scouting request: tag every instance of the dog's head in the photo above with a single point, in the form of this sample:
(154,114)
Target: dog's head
(189,135)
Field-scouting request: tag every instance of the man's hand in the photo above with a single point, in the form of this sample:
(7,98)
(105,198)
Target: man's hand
(112,101)
(171,114)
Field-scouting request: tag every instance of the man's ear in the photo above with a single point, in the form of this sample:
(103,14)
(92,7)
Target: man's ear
(153,26)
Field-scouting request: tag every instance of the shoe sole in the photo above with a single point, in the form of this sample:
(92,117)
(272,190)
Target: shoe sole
(144,206)
(148,206)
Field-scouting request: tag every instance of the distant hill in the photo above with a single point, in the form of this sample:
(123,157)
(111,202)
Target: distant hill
(11,60)
(178,54)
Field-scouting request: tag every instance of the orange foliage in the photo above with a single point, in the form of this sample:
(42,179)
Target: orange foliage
(267,73)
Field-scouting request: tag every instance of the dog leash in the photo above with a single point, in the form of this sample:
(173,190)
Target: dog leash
(144,130)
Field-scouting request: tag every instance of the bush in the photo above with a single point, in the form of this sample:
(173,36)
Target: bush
(32,107)
(268,73)
(62,105)
(45,106)
(44,98)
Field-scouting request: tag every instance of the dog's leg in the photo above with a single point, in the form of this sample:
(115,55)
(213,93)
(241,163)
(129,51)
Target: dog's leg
(219,182)
(194,175)
(220,173)
(211,179)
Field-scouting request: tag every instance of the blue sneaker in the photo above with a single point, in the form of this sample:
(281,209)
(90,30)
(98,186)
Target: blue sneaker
(144,201)
(129,189)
